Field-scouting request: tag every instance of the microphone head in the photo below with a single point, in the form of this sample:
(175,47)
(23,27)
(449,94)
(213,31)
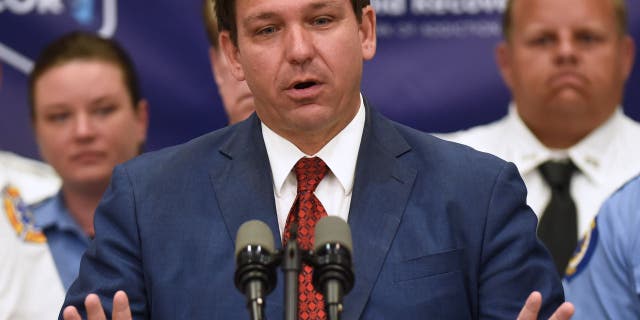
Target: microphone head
(331,229)
(254,233)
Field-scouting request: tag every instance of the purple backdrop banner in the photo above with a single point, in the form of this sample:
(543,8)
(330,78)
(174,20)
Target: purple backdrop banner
(434,69)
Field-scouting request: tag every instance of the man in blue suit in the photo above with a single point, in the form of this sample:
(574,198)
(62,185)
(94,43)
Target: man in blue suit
(439,230)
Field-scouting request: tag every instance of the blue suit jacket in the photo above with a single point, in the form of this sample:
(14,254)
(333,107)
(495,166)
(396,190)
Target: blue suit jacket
(440,231)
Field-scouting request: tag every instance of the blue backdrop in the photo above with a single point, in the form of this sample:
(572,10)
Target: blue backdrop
(434,69)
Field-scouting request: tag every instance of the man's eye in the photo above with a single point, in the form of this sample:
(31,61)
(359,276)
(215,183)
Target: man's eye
(266,31)
(542,40)
(587,38)
(321,21)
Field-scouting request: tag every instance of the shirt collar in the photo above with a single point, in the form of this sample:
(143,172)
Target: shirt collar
(53,214)
(340,154)
(530,152)
(588,154)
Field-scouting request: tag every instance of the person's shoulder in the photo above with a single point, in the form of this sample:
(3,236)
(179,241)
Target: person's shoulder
(198,152)
(480,137)
(632,187)
(623,206)
(34,179)
(437,143)
(628,129)
(26,166)
(618,220)
(451,158)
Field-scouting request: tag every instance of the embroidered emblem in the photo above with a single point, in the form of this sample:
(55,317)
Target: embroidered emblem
(20,217)
(584,251)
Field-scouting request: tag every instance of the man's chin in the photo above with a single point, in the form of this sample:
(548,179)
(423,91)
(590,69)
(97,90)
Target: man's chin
(568,101)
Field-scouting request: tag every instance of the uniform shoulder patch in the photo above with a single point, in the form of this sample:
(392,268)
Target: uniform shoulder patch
(20,217)
(583,252)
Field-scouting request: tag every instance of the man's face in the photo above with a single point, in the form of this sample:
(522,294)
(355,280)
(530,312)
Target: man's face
(85,123)
(236,96)
(303,61)
(565,60)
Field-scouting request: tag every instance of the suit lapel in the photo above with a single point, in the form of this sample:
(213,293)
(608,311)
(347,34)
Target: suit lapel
(243,186)
(244,190)
(381,190)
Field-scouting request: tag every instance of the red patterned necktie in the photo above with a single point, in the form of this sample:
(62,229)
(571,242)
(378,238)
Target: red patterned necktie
(305,212)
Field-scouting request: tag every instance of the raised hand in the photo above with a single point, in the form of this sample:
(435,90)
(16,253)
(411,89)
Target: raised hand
(121,310)
(532,306)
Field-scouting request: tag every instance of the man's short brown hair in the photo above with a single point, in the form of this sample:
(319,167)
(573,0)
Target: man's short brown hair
(210,22)
(620,8)
(226,14)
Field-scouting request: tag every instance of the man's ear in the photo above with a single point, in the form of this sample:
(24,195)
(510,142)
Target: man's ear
(232,53)
(504,61)
(214,57)
(627,56)
(368,32)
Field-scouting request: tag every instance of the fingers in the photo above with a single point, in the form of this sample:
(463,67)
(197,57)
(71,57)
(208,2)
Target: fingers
(94,308)
(531,307)
(564,312)
(71,313)
(121,310)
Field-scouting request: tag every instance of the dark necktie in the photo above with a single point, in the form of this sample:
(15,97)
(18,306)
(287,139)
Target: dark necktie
(304,214)
(558,227)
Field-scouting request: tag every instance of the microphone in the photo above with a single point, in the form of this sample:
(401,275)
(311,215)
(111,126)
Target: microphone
(333,272)
(255,274)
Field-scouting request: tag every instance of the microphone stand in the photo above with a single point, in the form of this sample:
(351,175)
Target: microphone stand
(291,265)
(333,306)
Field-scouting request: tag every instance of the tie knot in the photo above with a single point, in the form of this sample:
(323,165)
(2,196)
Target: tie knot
(309,173)
(558,173)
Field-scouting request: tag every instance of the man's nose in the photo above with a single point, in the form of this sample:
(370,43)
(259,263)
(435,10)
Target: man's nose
(300,45)
(566,49)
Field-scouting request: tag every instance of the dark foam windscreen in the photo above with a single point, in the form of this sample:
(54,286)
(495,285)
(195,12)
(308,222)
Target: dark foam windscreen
(332,229)
(255,233)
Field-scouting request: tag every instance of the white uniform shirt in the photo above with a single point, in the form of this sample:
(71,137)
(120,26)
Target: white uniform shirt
(35,179)
(340,155)
(30,287)
(607,158)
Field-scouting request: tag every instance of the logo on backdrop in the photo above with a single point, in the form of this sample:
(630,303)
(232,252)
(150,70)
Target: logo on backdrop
(80,14)
(438,19)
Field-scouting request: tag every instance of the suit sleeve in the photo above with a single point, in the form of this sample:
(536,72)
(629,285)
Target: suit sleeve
(513,262)
(112,262)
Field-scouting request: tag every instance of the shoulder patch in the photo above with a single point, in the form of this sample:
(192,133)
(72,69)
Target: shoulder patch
(584,251)
(20,217)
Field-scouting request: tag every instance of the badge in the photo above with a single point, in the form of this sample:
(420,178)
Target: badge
(20,217)
(584,251)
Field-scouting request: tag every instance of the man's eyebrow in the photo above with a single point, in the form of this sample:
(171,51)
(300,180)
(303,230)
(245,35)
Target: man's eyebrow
(269,15)
(258,17)
(323,4)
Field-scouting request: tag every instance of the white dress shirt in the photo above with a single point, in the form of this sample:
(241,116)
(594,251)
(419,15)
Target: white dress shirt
(340,155)
(607,158)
